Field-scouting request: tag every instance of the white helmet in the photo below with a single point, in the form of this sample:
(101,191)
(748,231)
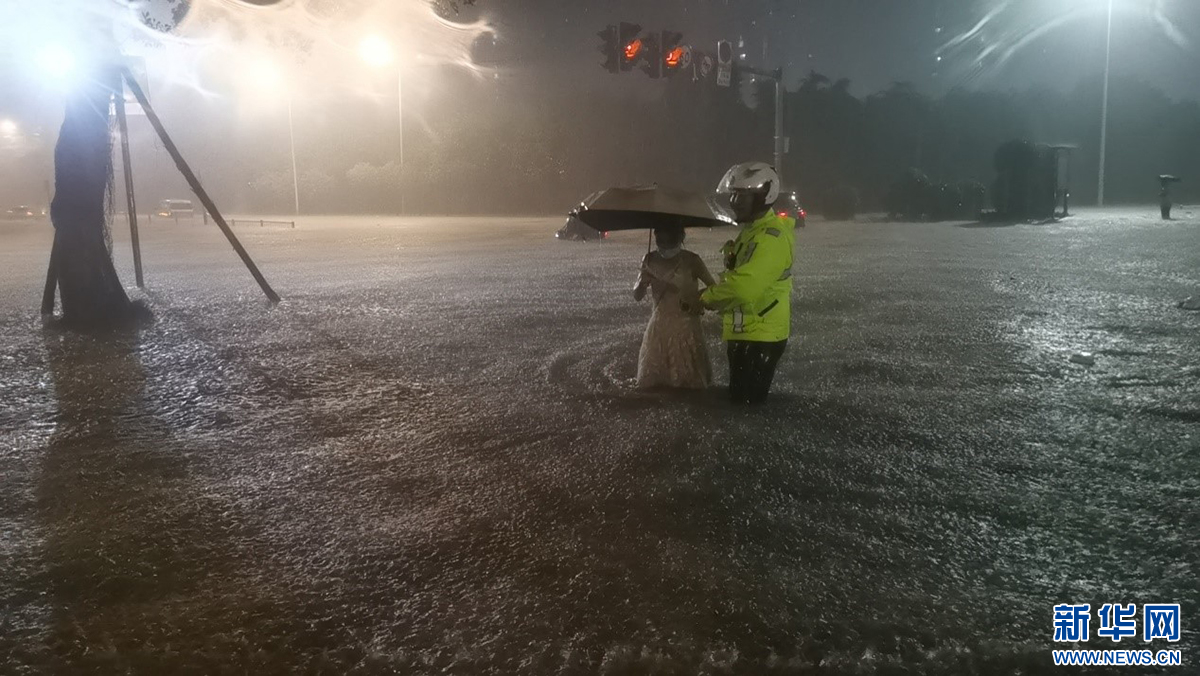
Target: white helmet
(754,177)
(747,192)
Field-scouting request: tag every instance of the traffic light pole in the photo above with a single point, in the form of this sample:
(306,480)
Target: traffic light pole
(775,76)
(779,141)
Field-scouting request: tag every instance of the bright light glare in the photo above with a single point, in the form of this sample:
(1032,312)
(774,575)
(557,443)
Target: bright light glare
(265,76)
(8,127)
(57,61)
(376,51)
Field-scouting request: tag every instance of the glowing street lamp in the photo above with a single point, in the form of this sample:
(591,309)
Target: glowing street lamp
(377,52)
(266,75)
(57,61)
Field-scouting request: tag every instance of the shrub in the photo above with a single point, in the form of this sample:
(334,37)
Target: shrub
(946,202)
(841,203)
(909,196)
(971,196)
(1026,180)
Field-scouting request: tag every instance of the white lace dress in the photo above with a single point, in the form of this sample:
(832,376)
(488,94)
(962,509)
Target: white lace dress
(673,352)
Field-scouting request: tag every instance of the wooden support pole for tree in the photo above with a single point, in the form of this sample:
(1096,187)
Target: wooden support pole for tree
(190,177)
(119,104)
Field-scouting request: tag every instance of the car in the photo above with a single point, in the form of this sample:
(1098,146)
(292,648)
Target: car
(576,230)
(175,209)
(787,205)
(22,213)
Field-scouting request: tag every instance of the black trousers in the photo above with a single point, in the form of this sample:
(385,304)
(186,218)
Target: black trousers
(751,369)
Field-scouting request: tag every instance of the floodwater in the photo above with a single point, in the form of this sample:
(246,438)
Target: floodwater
(430,457)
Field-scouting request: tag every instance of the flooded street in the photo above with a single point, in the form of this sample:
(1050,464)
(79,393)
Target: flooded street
(430,458)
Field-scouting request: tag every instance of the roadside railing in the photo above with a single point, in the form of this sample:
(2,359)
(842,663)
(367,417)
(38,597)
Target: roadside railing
(203,217)
(262,223)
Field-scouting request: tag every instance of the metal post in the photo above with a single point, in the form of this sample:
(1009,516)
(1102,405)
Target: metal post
(292,140)
(400,111)
(194,183)
(1067,187)
(123,125)
(779,124)
(777,76)
(1104,108)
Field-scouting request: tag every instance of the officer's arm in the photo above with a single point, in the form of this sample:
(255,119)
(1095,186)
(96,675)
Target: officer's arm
(747,282)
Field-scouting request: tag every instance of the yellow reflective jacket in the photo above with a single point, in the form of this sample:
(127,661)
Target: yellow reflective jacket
(755,297)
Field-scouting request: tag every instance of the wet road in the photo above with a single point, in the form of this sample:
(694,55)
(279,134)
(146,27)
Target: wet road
(430,458)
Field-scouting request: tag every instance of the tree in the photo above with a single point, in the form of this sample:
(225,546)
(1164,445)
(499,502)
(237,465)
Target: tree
(91,292)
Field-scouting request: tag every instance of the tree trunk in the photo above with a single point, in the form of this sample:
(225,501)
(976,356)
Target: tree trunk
(92,294)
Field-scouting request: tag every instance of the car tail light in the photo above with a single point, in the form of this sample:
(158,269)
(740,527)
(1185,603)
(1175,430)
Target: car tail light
(604,234)
(803,213)
(783,213)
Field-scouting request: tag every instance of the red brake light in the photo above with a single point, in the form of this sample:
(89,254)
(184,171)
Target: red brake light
(803,213)
(783,213)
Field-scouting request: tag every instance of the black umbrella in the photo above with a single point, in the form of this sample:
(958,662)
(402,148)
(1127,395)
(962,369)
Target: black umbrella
(648,208)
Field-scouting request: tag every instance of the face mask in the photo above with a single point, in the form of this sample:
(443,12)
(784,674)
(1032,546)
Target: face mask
(669,253)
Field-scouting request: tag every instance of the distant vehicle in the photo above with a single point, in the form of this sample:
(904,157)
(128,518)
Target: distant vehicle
(22,213)
(176,209)
(787,205)
(578,231)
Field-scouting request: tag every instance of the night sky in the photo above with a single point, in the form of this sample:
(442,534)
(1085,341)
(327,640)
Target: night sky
(877,42)
(548,46)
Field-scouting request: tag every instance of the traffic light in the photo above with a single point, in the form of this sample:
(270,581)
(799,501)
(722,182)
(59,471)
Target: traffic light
(610,47)
(631,44)
(676,57)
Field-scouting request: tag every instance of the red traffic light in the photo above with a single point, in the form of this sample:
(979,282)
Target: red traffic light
(674,57)
(633,49)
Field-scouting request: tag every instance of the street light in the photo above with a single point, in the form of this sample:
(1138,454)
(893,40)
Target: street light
(266,77)
(377,52)
(57,61)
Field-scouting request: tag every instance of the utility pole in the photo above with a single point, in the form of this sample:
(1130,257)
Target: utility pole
(1104,108)
(780,141)
(292,142)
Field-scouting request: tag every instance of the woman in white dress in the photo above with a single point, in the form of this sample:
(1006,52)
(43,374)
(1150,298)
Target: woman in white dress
(673,352)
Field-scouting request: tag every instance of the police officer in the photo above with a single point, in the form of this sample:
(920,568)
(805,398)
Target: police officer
(754,295)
